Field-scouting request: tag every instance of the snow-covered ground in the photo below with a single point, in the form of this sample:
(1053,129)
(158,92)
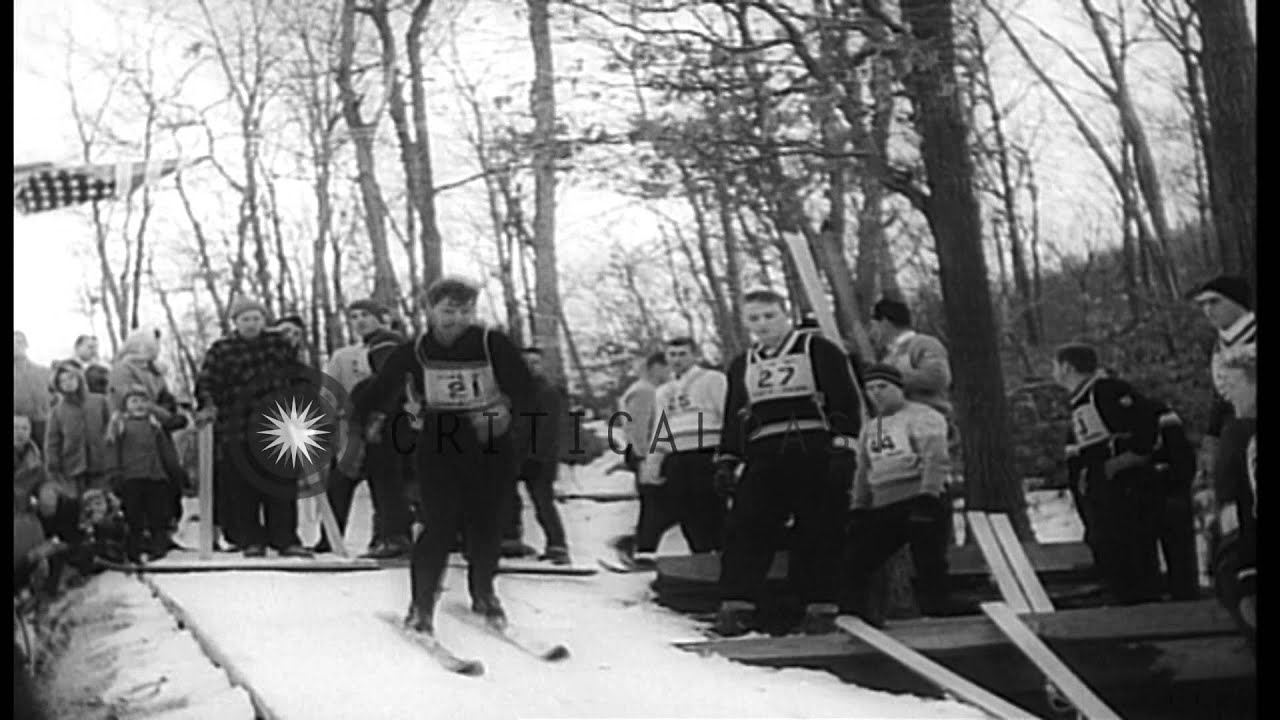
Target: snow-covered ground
(314,648)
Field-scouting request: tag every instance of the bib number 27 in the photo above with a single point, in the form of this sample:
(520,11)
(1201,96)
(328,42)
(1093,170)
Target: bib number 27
(770,377)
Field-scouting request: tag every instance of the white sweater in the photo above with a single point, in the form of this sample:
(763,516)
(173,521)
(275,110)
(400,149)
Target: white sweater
(690,411)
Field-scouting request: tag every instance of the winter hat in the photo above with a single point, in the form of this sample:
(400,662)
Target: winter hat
(886,373)
(895,311)
(246,304)
(369,305)
(292,320)
(1231,287)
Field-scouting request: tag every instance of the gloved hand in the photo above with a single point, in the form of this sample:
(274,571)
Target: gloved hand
(1123,461)
(726,477)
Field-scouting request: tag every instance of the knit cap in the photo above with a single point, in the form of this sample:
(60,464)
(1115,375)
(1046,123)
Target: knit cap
(886,373)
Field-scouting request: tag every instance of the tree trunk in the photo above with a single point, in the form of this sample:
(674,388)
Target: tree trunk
(543,102)
(385,288)
(1230,64)
(951,209)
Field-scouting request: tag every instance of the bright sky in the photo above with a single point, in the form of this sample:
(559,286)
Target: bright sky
(53,252)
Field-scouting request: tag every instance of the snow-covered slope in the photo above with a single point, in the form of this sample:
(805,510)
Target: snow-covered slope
(314,648)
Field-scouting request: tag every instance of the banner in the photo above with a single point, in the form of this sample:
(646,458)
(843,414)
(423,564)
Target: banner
(42,187)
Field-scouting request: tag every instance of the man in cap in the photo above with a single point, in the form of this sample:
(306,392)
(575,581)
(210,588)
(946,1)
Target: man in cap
(248,358)
(899,492)
(472,381)
(923,360)
(1227,303)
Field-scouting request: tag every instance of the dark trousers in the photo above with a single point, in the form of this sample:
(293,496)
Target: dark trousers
(468,491)
(1177,537)
(224,498)
(539,477)
(386,470)
(687,497)
(1122,520)
(260,518)
(777,486)
(876,534)
(146,510)
(38,428)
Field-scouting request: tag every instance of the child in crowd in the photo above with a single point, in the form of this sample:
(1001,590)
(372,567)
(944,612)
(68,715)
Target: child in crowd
(144,468)
(74,445)
(26,455)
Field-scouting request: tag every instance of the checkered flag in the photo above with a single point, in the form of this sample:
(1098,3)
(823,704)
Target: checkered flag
(45,186)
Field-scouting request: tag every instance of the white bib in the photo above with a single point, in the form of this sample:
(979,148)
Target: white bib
(1087,425)
(786,375)
(889,449)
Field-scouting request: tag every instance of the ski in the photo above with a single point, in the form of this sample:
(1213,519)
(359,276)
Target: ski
(435,648)
(514,636)
(624,567)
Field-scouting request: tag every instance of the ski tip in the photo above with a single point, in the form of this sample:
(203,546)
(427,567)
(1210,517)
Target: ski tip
(470,668)
(559,652)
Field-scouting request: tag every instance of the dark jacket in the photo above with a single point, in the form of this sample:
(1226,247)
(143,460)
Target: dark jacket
(539,432)
(75,439)
(237,371)
(140,449)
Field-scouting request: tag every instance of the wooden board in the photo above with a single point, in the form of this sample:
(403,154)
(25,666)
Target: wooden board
(1133,623)
(204,459)
(935,673)
(1032,589)
(229,562)
(332,532)
(1012,593)
(1076,691)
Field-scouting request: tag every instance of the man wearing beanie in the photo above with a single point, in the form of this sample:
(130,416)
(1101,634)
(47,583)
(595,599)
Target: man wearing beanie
(1228,305)
(898,493)
(247,357)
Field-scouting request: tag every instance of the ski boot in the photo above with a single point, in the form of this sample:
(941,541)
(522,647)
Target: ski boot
(819,618)
(419,621)
(491,609)
(516,549)
(556,556)
(734,618)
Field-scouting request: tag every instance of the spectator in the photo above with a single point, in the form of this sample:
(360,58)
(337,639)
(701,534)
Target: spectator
(32,395)
(295,331)
(75,441)
(145,469)
(349,365)
(538,442)
(249,357)
(96,375)
(1235,560)
(137,365)
(926,369)
(26,454)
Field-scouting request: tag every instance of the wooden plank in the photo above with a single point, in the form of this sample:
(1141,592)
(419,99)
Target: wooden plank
(935,673)
(1084,699)
(1133,623)
(808,272)
(204,459)
(1009,588)
(1032,589)
(330,522)
(191,562)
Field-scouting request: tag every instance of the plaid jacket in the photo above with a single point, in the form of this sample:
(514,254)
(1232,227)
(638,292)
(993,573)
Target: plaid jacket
(234,364)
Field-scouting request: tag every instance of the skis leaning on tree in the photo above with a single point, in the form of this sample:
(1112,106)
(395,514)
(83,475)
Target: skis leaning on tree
(430,643)
(512,635)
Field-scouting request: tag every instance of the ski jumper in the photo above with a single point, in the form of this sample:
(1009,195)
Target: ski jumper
(898,498)
(1121,513)
(785,409)
(686,433)
(465,461)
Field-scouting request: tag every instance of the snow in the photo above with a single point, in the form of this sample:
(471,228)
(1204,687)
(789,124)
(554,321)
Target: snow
(110,649)
(314,648)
